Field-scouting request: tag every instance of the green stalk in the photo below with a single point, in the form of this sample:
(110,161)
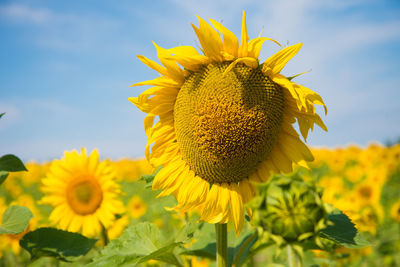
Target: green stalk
(222,244)
(104,235)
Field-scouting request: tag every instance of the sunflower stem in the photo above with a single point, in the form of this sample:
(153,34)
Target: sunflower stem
(222,244)
(104,235)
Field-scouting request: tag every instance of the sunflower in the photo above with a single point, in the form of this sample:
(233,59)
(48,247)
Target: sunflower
(224,120)
(136,207)
(83,192)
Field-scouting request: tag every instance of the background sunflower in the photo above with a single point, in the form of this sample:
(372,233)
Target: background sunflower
(83,192)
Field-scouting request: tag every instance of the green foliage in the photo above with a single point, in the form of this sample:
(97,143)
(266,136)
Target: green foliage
(1,114)
(3,176)
(15,220)
(238,247)
(149,178)
(11,163)
(62,245)
(142,242)
(343,232)
(390,191)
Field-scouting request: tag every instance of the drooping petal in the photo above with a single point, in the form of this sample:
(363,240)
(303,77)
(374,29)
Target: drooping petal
(236,206)
(255,45)
(248,61)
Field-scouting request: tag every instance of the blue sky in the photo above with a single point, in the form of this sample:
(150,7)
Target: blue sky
(66,66)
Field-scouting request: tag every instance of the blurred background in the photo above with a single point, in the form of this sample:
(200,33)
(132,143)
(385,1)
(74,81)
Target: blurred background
(66,67)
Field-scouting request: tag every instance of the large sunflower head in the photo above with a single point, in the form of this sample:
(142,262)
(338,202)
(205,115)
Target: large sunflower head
(224,120)
(83,191)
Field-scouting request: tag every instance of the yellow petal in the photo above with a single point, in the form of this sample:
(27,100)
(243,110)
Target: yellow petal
(153,65)
(243,50)
(237,210)
(159,81)
(172,68)
(276,62)
(209,40)
(248,61)
(256,44)
(294,148)
(231,43)
(280,160)
(247,190)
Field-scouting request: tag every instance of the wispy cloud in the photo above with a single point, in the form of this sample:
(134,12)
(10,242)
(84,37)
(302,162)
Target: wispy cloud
(61,30)
(24,14)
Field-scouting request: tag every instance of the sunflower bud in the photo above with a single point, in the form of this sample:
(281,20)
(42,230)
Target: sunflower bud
(291,210)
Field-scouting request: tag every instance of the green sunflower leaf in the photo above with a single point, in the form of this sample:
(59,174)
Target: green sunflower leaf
(140,243)
(3,176)
(1,114)
(238,247)
(15,220)
(11,163)
(343,232)
(148,178)
(242,250)
(56,243)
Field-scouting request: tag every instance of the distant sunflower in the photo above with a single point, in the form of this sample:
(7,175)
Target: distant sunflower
(136,207)
(83,192)
(225,120)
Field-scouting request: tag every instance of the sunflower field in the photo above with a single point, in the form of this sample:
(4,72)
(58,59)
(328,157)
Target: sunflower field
(362,182)
(228,179)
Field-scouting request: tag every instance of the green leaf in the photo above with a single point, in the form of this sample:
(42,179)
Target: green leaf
(56,243)
(238,247)
(343,232)
(3,176)
(242,250)
(140,243)
(1,114)
(205,246)
(11,163)
(15,220)
(149,178)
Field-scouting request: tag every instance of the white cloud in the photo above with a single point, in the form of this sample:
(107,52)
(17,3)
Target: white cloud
(61,30)
(22,13)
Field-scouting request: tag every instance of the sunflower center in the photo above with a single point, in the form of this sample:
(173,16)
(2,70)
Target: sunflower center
(84,195)
(226,124)
(366,192)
